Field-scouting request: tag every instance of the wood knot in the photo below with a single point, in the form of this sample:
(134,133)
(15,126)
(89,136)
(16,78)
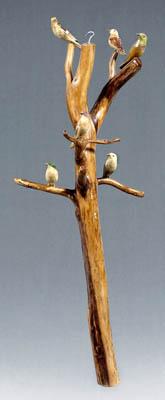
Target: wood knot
(77,213)
(83,182)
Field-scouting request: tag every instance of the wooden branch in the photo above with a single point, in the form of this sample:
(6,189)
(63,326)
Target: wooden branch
(112,64)
(105,141)
(77,87)
(69,62)
(74,140)
(120,186)
(101,106)
(69,193)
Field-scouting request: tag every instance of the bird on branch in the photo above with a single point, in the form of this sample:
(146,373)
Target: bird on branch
(62,33)
(115,41)
(110,165)
(138,48)
(51,174)
(84,126)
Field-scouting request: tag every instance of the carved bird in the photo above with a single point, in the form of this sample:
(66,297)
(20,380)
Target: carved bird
(84,126)
(115,41)
(51,174)
(110,165)
(138,48)
(62,33)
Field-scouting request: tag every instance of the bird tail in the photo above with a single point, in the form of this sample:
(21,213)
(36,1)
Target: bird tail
(105,174)
(72,39)
(77,44)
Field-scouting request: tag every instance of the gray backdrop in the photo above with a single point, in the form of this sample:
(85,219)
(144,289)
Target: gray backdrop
(45,349)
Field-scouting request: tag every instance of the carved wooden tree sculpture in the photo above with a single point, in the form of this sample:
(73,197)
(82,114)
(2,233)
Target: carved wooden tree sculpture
(85,194)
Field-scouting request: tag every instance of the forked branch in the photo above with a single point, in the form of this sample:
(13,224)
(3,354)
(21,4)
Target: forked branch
(77,86)
(69,193)
(120,186)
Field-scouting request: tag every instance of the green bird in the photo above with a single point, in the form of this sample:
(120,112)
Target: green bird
(138,48)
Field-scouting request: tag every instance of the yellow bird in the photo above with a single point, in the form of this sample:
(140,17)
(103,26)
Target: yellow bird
(62,33)
(138,48)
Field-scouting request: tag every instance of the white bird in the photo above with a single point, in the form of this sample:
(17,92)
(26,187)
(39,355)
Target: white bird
(51,174)
(62,33)
(83,127)
(110,165)
(114,41)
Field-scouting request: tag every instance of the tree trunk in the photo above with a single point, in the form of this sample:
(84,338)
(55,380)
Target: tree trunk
(87,213)
(87,210)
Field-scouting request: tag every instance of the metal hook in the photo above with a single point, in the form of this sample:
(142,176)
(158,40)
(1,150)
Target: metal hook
(92,34)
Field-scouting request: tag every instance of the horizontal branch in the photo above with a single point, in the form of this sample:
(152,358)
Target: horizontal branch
(101,106)
(104,141)
(120,186)
(69,193)
(85,142)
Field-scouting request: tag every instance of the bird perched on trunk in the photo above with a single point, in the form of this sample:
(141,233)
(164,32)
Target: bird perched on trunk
(138,48)
(62,33)
(51,174)
(115,41)
(83,127)
(110,165)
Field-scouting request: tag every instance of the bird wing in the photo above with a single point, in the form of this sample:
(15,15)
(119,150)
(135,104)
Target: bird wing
(132,53)
(116,43)
(120,46)
(113,41)
(70,35)
(59,24)
(104,172)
